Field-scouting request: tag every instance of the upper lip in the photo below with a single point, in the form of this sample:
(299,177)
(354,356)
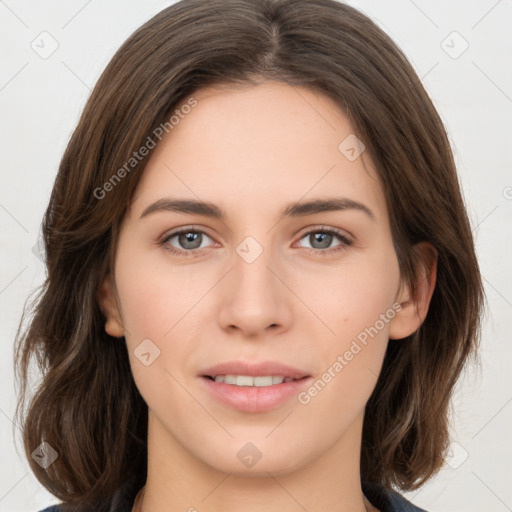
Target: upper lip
(253,369)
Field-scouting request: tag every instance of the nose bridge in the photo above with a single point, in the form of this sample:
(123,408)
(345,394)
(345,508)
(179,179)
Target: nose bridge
(254,282)
(256,298)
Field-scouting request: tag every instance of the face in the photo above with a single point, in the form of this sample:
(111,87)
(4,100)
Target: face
(253,285)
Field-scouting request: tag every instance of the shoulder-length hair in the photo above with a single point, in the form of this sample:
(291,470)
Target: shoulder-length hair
(87,406)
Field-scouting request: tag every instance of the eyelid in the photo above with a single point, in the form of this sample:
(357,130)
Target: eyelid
(186,229)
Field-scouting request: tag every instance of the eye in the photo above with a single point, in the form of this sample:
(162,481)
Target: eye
(185,241)
(321,240)
(189,242)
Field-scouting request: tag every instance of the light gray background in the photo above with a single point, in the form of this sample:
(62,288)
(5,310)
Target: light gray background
(40,101)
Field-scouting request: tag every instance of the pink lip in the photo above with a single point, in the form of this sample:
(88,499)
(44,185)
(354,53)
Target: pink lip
(254,399)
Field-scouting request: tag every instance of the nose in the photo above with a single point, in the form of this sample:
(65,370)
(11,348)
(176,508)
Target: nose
(254,299)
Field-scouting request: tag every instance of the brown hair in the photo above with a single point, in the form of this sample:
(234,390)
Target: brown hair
(87,406)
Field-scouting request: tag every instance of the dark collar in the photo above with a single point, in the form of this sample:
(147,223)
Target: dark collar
(387,500)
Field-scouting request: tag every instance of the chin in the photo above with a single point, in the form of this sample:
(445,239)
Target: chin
(248,459)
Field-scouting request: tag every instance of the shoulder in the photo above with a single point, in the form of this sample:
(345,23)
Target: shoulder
(387,500)
(54,508)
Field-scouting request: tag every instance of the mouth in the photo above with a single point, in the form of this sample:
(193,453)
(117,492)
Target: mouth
(253,387)
(248,380)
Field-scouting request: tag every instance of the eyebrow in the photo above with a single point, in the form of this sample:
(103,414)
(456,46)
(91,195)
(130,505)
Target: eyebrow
(296,209)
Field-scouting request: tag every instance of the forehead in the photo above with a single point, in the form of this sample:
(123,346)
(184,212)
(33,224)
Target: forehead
(260,145)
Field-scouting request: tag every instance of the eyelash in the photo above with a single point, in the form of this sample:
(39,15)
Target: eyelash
(345,242)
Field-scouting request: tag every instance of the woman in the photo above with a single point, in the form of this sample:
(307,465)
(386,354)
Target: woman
(262,284)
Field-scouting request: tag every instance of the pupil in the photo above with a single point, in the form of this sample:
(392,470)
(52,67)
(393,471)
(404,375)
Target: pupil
(324,240)
(190,240)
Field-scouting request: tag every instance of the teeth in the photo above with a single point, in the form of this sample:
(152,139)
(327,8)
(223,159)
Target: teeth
(247,380)
(229,379)
(263,381)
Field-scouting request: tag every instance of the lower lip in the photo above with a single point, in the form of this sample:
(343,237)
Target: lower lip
(254,399)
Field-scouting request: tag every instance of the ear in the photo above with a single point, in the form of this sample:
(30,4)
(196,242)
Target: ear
(415,301)
(108,305)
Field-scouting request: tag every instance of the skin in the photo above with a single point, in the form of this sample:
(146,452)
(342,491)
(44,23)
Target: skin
(253,150)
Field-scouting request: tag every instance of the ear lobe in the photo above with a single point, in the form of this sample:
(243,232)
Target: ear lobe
(415,302)
(108,305)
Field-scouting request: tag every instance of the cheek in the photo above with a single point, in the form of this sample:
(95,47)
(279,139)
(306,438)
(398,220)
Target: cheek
(352,297)
(156,309)
(358,309)
(155,315)
(349,363)
(155,296)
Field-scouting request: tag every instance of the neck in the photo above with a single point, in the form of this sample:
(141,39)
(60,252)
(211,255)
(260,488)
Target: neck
(178,481)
